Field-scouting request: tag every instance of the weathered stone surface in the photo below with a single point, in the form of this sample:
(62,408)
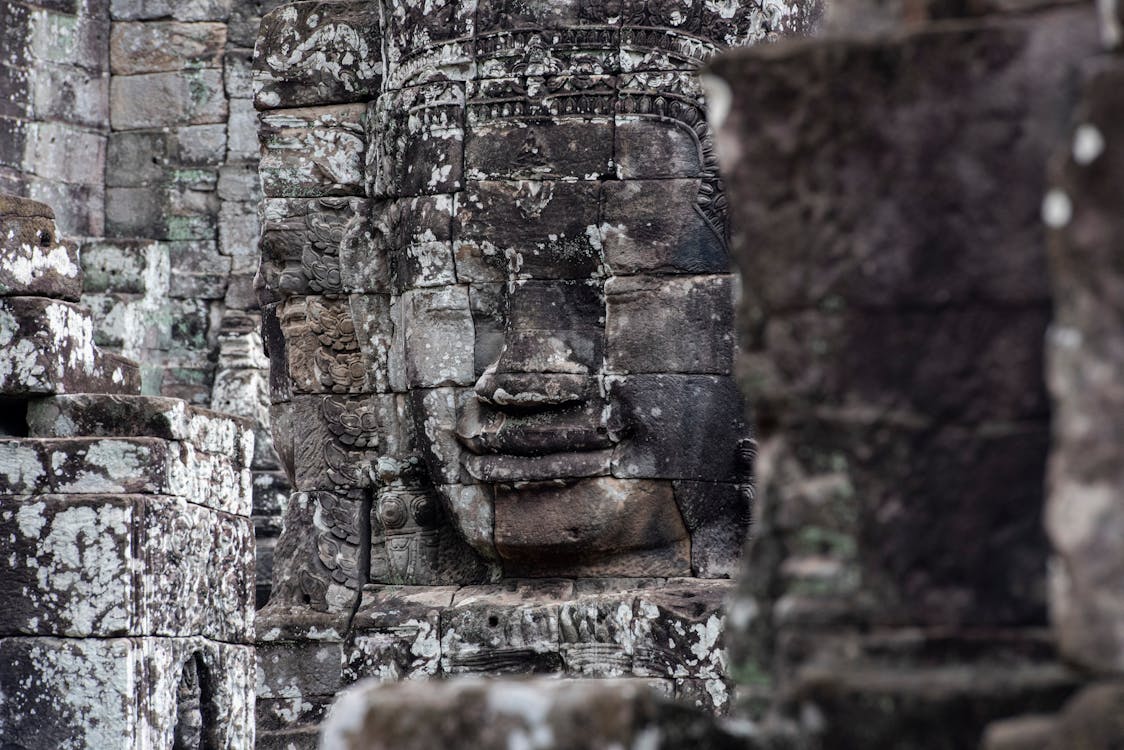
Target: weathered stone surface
(922,404)
(717,516)
(858,172)
(47,346)
(97,415)
(1084,513)
(165,46)
(318,53)
(502,714)
(657,324)
(397,633)
(144,566)
(33,258)
(437,330)
(677,427)
(592,527)
(313,152)
(527,229)
(301,245)
(113,693)
(193,97)
(81,466)
(939,706)
(657,226)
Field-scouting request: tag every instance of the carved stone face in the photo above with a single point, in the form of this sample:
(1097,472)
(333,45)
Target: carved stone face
(548,202)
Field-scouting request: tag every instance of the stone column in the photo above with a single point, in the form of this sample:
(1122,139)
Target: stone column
(885,194)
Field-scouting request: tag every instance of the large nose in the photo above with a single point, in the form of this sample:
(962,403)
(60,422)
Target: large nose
(552,346)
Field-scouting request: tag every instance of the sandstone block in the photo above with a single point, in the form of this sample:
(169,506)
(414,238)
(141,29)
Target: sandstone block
(145,566)
(124,266)
(163,46)
(301,242)
(537,149)
(593,527)
(663,441)
(661,324)
(529,229)
(192,97)
(318,53)
(658,226)
(47,347)
(112,693)
(437,330)
(34,260)
(489,714)
(1084,514)
(313,152)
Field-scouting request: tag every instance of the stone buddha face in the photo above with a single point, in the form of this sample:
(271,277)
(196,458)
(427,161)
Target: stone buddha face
(547,198)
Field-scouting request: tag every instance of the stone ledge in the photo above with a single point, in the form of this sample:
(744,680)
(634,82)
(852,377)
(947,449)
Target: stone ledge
(112,694)
(103,415)
(148,466)
(124,565)
(47,347)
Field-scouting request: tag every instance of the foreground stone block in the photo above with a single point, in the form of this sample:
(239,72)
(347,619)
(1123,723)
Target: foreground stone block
(576,714)
(115,565)
(1085,514)
(123,692)
(47,346)
(864,321)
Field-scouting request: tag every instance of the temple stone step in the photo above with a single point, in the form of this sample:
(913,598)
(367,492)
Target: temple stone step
(122,416)
(47,346)
(150,466)
(108,565)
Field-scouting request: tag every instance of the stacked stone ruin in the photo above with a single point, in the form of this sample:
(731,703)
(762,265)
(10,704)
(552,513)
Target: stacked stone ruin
(133,121)
(890,185)
(499,319)
(127,577)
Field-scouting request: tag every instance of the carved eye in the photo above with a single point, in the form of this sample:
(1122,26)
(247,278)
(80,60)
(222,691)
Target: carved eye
(44,237)
(425,512)
(393,513)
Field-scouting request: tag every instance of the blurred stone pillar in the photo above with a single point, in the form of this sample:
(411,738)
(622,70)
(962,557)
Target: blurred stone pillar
(885,195)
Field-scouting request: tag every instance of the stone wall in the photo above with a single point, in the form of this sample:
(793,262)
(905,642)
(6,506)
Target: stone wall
(135,120)
(54,107)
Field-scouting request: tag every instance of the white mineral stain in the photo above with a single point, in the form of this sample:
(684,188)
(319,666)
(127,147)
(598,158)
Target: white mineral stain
(21,467)
(1057,209)
(31,519)
(1088,144)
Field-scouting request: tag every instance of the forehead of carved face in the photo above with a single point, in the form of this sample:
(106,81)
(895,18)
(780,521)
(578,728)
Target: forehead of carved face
(556,238)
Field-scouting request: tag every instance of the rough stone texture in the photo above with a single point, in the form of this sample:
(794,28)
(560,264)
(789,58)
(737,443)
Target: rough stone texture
(318,53)
(499,315)
(887,196)
(483,714)
(121,692)
(33,258)
(1085,515)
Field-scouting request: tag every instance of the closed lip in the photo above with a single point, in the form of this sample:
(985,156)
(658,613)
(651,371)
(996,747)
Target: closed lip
(500,468)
